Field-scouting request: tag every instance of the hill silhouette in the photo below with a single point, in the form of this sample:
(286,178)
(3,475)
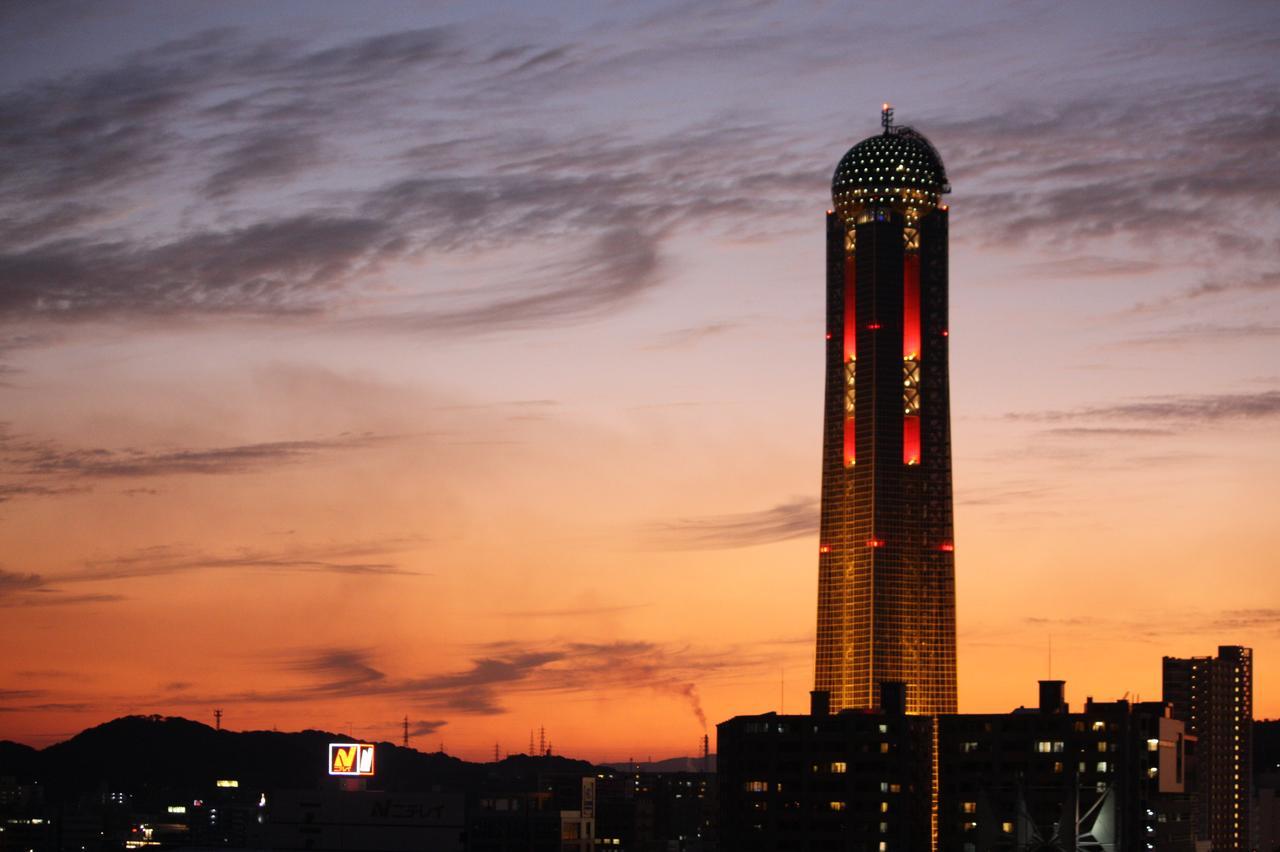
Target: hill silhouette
(142,754)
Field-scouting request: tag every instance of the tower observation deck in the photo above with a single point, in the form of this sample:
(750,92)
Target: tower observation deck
(886,566)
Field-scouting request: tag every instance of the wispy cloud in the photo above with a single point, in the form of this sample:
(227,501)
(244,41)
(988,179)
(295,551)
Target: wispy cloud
(133,463)
(1229,625)
(1205,333)
(683,338)
(40,467)
(570,612)
(369,559)
(500,669)
(1179,408)
(793,519)
(1106,432)
(336,558)
(195,107)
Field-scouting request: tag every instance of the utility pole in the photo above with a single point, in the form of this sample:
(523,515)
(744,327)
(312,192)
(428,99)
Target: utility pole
(217,719)
(406,731)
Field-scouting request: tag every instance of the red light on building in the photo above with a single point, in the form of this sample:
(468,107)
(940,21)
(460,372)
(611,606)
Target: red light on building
(947,546)
(826,548)
(850,310)
(828,335)
(946,333)
(911,306)
(875,542)
(911,439)
(874,326)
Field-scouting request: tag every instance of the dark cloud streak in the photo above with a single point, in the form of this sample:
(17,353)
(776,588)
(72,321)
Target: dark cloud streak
(785,521)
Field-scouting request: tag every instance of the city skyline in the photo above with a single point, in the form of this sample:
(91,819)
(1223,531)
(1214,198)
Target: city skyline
(463,364)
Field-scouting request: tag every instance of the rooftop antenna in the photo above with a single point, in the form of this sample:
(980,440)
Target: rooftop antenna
(406,731)
(886,116)
(217,719)
(542,740)
(495,752)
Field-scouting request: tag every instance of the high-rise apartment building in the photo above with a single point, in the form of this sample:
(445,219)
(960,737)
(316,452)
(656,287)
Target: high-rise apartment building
(886,576)
(1214,697)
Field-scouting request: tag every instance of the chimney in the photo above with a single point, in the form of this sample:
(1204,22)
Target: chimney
(819,703)
(893,697)
(1053,696)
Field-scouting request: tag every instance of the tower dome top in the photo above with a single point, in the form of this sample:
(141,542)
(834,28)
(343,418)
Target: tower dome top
(898,168)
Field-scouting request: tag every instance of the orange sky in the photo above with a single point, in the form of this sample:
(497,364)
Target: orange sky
(485,405)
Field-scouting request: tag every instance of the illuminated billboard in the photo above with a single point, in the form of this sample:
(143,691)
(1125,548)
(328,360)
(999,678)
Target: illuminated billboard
(350,759)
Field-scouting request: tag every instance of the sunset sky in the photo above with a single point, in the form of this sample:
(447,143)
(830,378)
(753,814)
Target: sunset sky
(463,361)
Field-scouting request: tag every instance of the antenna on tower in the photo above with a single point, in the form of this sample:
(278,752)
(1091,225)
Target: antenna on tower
(217,719)
(406,731)
(886,116)
(531,742)
(542,740)
(495,752)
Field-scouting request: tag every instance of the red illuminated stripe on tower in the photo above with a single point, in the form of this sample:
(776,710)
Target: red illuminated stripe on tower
(850,352)
(911,349)
(850,310)
(911,306)
(911,439)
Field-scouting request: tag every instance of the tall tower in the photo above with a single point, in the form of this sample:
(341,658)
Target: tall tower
(886,568)
(1214,697)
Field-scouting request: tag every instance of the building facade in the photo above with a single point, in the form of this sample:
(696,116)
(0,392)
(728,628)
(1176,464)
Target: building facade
(1214,697)
(856,781)
(1110,778)
(886,576)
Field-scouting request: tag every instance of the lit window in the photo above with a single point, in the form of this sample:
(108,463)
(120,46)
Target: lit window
(839,767)
(1006,827)
(757,786)
(837,806)
(969,807)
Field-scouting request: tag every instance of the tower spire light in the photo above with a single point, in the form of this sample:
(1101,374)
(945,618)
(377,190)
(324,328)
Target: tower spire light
(886,116)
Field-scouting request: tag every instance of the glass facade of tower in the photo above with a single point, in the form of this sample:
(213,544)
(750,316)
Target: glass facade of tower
(886,587)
